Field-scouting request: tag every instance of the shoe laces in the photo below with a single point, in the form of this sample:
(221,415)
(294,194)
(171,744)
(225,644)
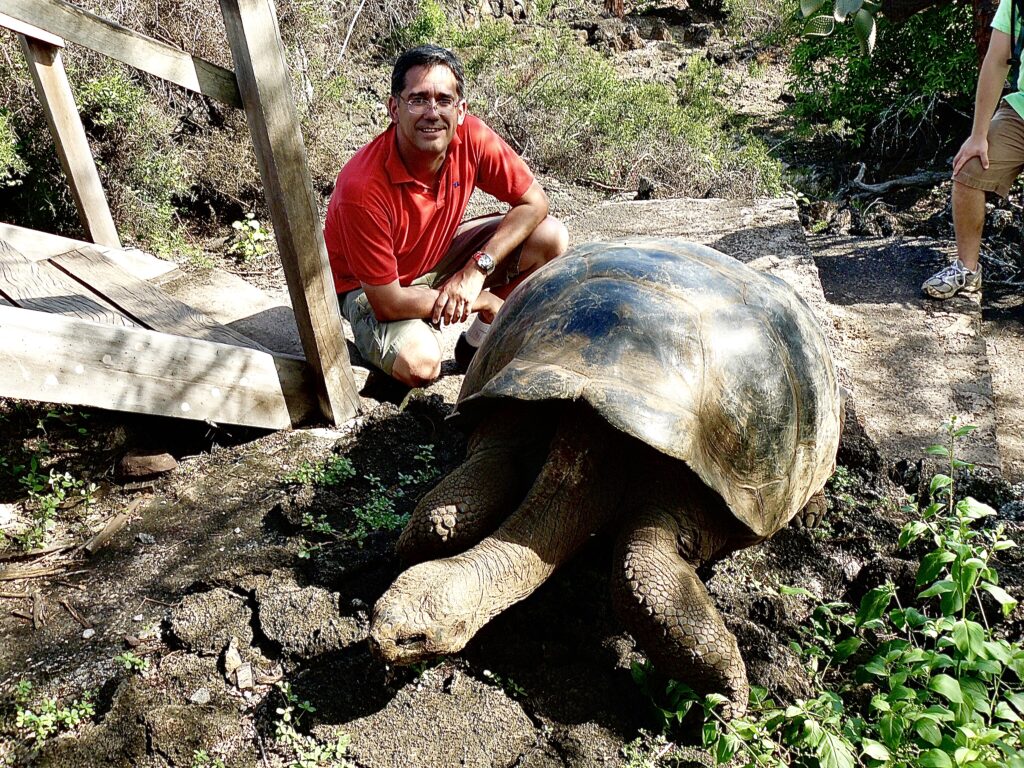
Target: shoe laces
(955,271)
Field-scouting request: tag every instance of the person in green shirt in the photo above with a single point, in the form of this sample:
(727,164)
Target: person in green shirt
(989,161)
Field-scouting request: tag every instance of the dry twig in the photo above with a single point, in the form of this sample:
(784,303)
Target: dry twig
(914,180)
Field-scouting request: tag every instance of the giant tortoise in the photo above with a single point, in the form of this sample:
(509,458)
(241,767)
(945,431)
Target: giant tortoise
(655,387)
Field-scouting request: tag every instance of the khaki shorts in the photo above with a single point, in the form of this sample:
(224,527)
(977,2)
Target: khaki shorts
(379,343)
(1005,154)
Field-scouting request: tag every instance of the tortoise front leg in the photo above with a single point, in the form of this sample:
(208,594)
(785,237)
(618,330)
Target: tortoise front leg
(437,606)
(665,606)
(504,456)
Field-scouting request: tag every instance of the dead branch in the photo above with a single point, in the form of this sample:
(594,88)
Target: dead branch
(59,546)
(38,610)
(15,595)
(101,539)
(15,573)
(923,179)
(86,624)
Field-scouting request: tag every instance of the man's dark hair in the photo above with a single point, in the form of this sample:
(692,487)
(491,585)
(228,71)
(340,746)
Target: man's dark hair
(427,56)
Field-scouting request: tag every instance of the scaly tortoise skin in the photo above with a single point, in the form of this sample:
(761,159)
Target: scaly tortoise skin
(655,386)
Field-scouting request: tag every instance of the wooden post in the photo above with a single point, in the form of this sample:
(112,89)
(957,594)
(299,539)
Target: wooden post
(62,116)
(265,86)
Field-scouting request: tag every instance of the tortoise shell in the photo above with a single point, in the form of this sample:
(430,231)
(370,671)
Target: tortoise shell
(687,349)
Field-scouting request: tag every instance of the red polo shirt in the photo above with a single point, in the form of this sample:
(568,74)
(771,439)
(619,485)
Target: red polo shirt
(383,225)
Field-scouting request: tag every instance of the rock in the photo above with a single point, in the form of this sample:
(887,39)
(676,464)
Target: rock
(232,658)
(207,621)
(1000,219)
(660,32)
(646,189)
(304,621)
(138,465)
(243,676)
(423,726)
(90,632)
(145,538)
(699,34)
(201,696)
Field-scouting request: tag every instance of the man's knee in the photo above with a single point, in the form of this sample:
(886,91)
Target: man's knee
(547,241)
(418,361)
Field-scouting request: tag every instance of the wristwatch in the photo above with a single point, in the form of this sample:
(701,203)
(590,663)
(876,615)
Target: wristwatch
(485,261)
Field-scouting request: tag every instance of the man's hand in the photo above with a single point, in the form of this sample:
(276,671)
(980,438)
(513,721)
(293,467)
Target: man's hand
(975,146)
(458,296)
(487,306)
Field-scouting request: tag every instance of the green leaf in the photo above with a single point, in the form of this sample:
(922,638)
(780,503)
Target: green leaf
(808,7)
(1005,600)
(937,450)
(786,590)
(931,565)
(946,686)
(874,604)
(875,750)
(835,752)
(844,8)
(935,758)
(1005,712)
(975,509)
(966,429)
(939,482)
(726,747)
(938,588)
(846,648)
(969,638)
(929,730)
(912,532)
(820,26)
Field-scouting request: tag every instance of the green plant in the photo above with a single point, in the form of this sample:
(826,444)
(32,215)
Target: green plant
(334,470)
(250,234)
(307,751)
(511,688)
(929,684)
(202,759)
(911,94)
(859,14)
(49,716)
(47,494)
(12,165)
(131,662)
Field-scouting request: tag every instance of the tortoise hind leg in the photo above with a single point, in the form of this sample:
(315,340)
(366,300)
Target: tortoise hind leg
(665,606)
(505,454)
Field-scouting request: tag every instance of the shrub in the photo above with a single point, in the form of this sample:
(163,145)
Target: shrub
(913,93)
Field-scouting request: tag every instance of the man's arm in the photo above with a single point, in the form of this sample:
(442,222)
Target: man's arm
(986,98)
(394,302)
(457,297)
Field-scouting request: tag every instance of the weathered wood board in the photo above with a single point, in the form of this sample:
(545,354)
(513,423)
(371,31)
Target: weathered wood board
(137,50)
(42,287)
(54,358)
(141,301)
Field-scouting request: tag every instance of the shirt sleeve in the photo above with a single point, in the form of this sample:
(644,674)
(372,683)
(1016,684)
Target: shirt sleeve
(500,171)
(365,242)
(1001,20)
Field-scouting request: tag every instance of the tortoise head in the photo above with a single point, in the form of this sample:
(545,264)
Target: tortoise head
(420,617)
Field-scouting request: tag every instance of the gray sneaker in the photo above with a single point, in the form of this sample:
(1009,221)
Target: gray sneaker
(951,280)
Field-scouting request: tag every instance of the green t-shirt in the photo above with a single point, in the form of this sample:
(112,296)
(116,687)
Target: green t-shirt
(1002,23)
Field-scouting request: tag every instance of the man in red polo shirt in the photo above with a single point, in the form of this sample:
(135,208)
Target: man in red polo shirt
(404,262)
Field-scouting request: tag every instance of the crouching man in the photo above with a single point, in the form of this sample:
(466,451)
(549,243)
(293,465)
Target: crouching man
(404,261)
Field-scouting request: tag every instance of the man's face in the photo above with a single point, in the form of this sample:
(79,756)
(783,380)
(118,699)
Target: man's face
(430,132)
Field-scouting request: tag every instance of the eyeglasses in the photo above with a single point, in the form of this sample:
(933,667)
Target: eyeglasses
(418,105)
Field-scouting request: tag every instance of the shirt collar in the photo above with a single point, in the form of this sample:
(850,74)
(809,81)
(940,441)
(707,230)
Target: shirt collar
(393,165)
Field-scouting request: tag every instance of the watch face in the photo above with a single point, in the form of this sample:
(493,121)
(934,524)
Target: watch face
(486,262)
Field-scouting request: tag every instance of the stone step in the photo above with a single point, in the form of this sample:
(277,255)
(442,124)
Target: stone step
(914,361)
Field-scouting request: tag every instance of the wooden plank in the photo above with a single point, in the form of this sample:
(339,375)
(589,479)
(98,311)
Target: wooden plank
(42,287)
(265,84)
(29,31)
(125,45)
(54,92)
(57,359)
(38,245)
(148,305)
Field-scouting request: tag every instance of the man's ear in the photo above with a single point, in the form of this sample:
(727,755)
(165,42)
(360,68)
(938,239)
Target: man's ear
(463,108)
(393,109)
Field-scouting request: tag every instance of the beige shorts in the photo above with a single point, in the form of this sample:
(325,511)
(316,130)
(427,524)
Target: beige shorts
(379,343)
(1005,155)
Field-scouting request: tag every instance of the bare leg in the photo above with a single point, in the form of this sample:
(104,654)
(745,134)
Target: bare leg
(419,360)
(505,454)
(969,222)
(548,240)
(661,600)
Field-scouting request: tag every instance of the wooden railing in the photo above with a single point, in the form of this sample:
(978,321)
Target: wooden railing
(259,84)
